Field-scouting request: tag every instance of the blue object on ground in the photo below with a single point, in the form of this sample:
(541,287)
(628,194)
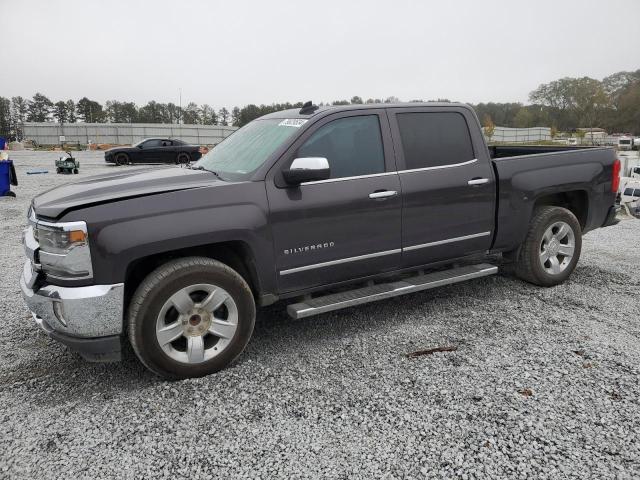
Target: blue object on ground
(36,172)
(7,177)
(3,143)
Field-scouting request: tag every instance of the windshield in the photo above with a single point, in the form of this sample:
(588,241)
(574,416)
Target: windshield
(248,148)
(139,143)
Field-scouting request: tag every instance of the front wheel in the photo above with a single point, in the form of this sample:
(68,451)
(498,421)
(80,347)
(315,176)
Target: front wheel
(190,317)
(551,248)
(122,159)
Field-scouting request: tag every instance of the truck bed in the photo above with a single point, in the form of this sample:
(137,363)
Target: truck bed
(501,151)
(527,174)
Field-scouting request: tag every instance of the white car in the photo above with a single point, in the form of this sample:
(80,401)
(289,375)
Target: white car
(630,193)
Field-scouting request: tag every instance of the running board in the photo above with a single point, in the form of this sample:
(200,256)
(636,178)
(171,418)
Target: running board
(336,301)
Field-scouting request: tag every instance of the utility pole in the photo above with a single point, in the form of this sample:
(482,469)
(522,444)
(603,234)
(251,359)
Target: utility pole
(180,107)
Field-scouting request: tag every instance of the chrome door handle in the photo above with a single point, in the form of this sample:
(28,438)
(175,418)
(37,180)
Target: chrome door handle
(478,181)
(383,194)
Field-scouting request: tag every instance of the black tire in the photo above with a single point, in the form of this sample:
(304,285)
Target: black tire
(58,170)
(529,264)
(183,158)
(122,159)
(149,298)
(10,194)
(75,171)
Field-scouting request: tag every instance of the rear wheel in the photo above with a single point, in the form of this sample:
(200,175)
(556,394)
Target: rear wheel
(551,248)
(190,317)
(183,158)
(75,171)
(122,159)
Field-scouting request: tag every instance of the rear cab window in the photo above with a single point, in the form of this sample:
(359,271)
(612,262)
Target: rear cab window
(434,139)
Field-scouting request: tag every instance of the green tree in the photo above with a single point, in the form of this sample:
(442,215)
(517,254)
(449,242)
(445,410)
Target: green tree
(235,117)
(89,111)
(617,84)
(628,117)
(71,111)
(6,127)
(152,112)
(191,114)
(356,100)
(523,118)
(223,114)
(39,108)
(61,112)
(208,115)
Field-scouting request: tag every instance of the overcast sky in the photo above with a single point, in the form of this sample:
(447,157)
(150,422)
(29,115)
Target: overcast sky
(236,52)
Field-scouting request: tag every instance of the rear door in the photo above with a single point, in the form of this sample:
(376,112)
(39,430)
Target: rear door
(348,226)
(169,152)
(448,186)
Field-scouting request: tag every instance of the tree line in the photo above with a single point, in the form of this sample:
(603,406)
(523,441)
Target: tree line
(565,104)
(571,103)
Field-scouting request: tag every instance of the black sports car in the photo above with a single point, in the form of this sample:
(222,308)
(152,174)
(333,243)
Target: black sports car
(154,150)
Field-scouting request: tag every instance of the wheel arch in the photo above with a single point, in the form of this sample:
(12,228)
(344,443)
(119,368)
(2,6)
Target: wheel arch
(236,254)
(576,201)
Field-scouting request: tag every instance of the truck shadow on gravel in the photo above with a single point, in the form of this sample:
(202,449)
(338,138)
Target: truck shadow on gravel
(65,377)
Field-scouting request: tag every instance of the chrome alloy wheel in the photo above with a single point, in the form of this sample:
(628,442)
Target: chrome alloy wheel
(557,248)
(197,323)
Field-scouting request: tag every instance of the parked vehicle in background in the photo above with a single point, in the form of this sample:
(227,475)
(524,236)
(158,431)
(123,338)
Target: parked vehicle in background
(625,143)
(631,192)
(154,150)
(324,207)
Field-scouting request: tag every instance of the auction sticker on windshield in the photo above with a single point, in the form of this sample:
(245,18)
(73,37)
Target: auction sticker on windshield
(292,122)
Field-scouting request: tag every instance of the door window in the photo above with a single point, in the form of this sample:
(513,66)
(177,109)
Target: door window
(151,144)
(434,139)
(352,146)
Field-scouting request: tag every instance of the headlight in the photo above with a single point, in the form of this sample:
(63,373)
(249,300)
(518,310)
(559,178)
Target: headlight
(64,249)
(59,240)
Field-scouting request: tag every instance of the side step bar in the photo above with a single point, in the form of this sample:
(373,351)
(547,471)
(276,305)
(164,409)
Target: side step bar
(336,301)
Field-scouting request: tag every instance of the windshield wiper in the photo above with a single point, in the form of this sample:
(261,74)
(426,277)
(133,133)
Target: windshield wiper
(200,167)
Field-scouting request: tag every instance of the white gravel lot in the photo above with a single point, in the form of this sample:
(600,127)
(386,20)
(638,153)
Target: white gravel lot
(544,382)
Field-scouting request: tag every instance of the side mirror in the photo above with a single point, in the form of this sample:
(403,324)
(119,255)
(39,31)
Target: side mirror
(140,146)
(308,169)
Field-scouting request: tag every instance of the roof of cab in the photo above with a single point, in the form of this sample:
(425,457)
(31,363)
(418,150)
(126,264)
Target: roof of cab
(295,112)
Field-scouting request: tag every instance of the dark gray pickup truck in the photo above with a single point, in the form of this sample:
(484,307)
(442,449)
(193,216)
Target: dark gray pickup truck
(325,207)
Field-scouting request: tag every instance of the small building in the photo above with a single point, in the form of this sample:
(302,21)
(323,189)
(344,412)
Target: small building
(593,133)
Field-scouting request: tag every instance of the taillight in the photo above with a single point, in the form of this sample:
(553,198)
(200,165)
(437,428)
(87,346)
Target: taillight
(615,181)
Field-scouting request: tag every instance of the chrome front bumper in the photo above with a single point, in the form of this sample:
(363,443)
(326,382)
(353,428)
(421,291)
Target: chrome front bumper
(86,312)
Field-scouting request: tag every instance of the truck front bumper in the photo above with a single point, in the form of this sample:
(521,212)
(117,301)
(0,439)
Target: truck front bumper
(86,319)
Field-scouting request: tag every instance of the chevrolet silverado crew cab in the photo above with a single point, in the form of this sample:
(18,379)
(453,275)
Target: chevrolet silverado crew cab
(325,208)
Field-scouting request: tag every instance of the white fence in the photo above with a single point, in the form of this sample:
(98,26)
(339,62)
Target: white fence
(48,133)
(520,135)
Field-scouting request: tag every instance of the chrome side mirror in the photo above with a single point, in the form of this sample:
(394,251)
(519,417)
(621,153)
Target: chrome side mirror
(307,169)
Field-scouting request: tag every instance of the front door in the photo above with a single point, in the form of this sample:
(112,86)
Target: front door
(348,226)
(151,151)
(447,183)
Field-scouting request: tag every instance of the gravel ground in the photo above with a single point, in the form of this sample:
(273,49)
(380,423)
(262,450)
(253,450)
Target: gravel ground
(543,384)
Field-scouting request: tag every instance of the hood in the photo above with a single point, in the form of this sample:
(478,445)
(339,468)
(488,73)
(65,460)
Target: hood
(119,186)
(119,149)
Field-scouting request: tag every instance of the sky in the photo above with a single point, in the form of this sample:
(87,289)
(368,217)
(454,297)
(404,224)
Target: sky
(236,52)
